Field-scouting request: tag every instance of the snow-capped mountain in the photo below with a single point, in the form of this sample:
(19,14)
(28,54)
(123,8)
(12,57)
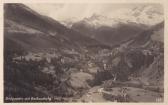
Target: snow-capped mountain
(147,15)
(69,22)
(97,21)
(122,25)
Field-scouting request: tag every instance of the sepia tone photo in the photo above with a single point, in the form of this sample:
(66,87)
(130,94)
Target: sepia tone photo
(83,52)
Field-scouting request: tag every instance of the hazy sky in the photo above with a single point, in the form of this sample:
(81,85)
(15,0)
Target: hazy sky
(79,11)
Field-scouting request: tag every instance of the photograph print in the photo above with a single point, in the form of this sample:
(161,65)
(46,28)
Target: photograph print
(83,52)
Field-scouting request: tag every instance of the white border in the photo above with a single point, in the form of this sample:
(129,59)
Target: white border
(164,2)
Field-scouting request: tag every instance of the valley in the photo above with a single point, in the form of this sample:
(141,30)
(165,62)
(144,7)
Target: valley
(43,58)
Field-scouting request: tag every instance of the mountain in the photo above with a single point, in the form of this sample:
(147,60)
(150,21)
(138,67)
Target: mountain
(111,32)
(44,58)
(151,43)
(152,35)
(138,62)
(147,14)
(69,22)
(126,23)
(41,56)
(35,31)
(32,43)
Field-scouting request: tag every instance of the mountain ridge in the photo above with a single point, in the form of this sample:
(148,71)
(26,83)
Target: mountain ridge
(16,13)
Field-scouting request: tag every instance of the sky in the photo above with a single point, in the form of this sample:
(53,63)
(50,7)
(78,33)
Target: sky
(79,11)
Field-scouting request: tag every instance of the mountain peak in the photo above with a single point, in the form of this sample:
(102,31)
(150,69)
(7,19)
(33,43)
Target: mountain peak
(97,16)
(148,15)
